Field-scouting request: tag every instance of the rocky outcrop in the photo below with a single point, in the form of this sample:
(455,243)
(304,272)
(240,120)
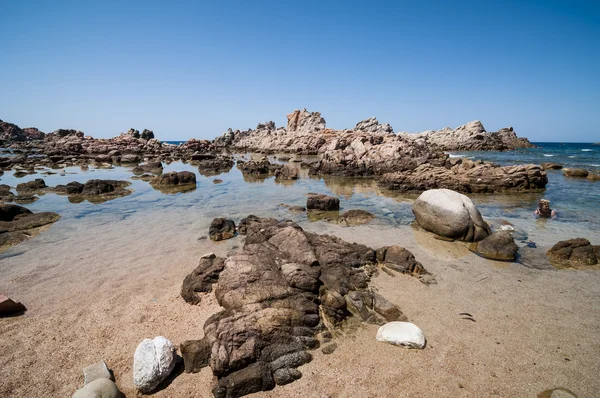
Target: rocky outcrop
(473,137)
(287,172)
(279,293)
(210,164)
(304,122)
(468,177)
(574,252)
(451,215)
(12,132)
(18,224)
(260,168)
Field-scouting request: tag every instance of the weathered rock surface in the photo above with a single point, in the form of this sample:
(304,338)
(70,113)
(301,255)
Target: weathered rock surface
(451,215)
(153,361)
(258,167)
(210,164)
(322,202)
(287,173)
(221,229)
(404,334)
(473,137)
(498,246)
(278,292)
(467,177)
(551,166)
(399,259)
(574,252)
(150,167)
(12,132)
(94,191)
(99,370)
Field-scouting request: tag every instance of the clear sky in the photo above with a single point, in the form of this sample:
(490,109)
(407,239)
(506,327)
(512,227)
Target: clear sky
(192,69)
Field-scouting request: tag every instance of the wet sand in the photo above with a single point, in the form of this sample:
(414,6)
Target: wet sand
(96,286)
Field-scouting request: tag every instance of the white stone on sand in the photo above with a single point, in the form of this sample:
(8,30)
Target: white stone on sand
(99,388)
(153,361)
(401,333)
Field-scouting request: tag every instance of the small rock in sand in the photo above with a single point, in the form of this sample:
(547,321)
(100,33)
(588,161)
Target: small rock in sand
(405,334)
(96,371)
(99,388)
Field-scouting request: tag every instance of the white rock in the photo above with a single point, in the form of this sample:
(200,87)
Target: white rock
(401,333)
(153,361)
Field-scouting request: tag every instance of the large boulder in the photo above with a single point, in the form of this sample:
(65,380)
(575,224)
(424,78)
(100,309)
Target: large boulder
(450,214)
(153,361)
(499,246)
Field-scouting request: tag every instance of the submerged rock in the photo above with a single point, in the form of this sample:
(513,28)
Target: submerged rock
(287,173)
(150,167)
(18,224)
(221,229)
(174,182)
(35,186)
(404,334)
(153,361)
(499,246)
(451,215)
(576,173)
(94,191)
(281,290)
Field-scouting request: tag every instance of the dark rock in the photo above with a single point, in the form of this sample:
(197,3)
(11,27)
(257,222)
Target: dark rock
(18,224)
(322,202)
(202,278)
(10,307)
(574,252)
(551,166)
(221,229)
(210,165)
(254,378)
(174,181)
(287,173)
(147,134)
(196,355)
(499,246)
(329,348)
(151,167)
(37,185)
(286,376)
(399,259)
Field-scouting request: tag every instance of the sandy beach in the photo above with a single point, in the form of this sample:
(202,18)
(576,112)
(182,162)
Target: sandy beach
(95,291)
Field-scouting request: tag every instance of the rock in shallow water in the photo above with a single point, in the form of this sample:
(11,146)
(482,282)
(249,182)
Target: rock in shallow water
(499,246)
(450,214)
(322,202)
(404,334)
(153,361)
(221,229)
(574,252)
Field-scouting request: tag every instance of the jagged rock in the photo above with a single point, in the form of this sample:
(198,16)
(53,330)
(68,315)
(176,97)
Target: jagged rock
(322,202)
(202,278)
(258,167)
(576,173)
(153,361)
(304,121)
(12,132)
(371,125)
(593,176)
(473,137)
(130,158)
(99,388)
(451,215)
(404,334)
(221,229)
(147,134)
(278,292)
(10,307)
(574,252)
(499,246)
(94,191)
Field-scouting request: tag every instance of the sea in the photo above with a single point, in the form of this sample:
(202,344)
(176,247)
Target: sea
(576,200)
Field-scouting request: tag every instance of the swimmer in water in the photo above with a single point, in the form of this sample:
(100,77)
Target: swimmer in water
(544,210)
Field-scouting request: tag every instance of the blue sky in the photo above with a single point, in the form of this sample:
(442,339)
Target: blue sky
(193,69)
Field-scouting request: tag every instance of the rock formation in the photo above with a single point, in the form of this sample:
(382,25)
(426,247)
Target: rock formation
(574,252)
(279,293)
(473,137)
(18,224)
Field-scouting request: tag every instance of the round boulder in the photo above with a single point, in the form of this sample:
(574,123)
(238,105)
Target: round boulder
(450,214)
(322,202)
(153,361)
(499,246)
(99,388)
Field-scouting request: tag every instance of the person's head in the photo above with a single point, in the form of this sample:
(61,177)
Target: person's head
(544,204)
